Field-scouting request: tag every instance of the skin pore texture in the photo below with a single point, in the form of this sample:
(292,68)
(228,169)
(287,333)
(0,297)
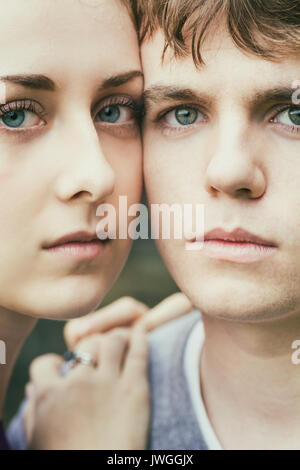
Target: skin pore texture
(239,156)
(77,145)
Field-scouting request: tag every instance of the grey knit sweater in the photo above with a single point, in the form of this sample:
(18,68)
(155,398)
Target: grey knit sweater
(174,424)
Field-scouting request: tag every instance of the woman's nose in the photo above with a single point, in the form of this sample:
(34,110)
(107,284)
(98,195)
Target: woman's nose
(86,173)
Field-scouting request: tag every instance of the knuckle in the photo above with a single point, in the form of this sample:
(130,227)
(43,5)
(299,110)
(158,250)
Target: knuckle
(89,342)
(33,366)
(71,332)
(68,329)
(39,361)
(43,395)
(128,302)
(180,297)
(119,335)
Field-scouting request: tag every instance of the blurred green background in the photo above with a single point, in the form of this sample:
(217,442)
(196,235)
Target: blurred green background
(144,277)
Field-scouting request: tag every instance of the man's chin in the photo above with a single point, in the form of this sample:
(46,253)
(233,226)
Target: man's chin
(236,302)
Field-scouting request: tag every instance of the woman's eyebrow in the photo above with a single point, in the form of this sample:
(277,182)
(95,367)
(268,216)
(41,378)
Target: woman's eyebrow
(36,82)
(117,80)
(42,82)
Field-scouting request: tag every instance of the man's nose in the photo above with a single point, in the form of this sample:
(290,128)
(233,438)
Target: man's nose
(86,173)
(234,168)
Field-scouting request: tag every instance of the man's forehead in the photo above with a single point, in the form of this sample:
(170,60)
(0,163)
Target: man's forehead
(226,70)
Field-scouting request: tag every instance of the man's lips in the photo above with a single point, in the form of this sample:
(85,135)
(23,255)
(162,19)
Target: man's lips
(238,235)
(238,246)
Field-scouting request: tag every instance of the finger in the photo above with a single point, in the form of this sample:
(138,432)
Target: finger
(123,312)
(92,346)
(172,307)
(28,419)
(112,353)
(45,370)
(124,333)
(29,391)
(136,363)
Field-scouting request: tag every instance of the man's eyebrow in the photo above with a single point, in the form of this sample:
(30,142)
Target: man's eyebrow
(278,94)
(120,79)
(36,82)
(158,93)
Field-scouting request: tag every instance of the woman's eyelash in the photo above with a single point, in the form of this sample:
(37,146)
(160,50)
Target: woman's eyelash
(35,107)
(22,105)
(121,101)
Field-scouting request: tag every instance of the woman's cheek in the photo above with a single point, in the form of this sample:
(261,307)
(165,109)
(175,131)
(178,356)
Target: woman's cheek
(126,160)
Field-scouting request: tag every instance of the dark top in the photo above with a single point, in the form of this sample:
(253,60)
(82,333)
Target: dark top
(3,441)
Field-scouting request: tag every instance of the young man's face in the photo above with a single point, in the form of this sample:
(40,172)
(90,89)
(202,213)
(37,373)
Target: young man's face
(227,135)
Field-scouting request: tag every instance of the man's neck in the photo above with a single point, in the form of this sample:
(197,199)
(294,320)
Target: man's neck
(250,387)
(14,329)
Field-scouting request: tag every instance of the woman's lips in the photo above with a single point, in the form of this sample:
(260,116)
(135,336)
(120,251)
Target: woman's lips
(79,250)
(238,246)
(81,246)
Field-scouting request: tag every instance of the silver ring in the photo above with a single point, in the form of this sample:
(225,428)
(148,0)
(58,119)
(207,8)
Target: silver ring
(73,358)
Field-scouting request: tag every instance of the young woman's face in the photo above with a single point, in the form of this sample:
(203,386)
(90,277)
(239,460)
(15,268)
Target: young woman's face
(70,83)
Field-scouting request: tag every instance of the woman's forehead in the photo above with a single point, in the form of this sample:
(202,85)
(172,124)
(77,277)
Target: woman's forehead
(63,34)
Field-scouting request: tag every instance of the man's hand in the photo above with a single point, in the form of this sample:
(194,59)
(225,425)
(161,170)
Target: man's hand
(106,407)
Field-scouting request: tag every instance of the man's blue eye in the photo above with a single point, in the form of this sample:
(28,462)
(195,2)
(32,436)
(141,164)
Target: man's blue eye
(13,118)
(294,115)
(186,116)
(109,114)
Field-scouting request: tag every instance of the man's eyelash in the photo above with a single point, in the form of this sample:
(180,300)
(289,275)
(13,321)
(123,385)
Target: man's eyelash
(158,118)
(281,109)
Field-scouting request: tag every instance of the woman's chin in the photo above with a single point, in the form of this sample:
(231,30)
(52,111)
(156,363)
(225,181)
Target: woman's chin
(69,310)
(60,304)
(76,307)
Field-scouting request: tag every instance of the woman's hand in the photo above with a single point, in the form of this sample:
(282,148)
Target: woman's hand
(107,407)
(101,407)
(125,312)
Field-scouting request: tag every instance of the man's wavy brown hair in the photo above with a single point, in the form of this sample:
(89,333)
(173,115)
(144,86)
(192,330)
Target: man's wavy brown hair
(268,28)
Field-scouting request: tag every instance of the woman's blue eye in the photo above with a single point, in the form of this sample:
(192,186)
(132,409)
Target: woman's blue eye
(186,116)
(294,115)
(110,114)
(13,118)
